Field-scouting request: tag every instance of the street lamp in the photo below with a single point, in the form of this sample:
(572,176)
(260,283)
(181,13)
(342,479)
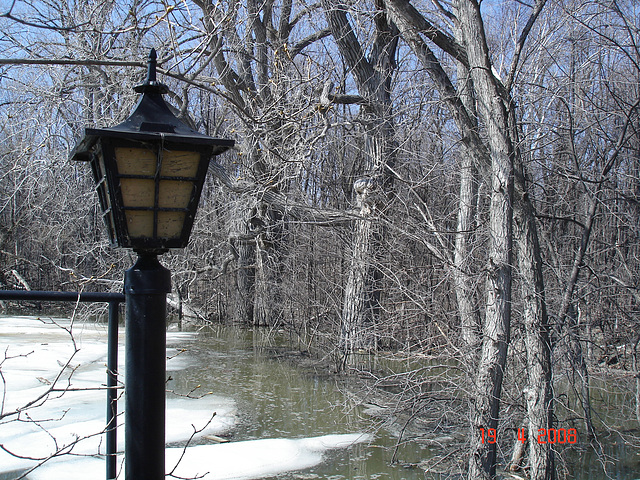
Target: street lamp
(149,172)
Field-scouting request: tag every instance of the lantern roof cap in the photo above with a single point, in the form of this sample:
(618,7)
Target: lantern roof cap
(151,120)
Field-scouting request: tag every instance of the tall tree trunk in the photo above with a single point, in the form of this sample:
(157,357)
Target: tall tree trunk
(496,328)
(473,52)
(362,291)
(485,406)
(468,308)
(373,77)
(539,390)
(270,246)
(492,97)
(462,257)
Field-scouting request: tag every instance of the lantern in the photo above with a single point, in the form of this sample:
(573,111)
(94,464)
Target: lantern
(149,171)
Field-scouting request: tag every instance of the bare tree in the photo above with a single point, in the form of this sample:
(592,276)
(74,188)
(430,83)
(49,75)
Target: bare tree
(373,76)
(496,109)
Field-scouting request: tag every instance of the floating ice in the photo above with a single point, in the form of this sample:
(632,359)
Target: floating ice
(227,461)
(41,363)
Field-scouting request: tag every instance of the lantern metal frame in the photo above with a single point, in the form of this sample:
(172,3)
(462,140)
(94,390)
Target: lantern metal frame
(150,135)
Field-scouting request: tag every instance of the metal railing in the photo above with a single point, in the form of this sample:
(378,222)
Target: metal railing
(114,300)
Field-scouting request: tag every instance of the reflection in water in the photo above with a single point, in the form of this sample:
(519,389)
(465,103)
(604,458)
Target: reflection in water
(612,455)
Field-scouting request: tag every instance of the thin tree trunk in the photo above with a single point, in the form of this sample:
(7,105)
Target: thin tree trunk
(564,322)
(497,323)
(538,392)
(261,306)
(567,324)
(245,278)
(517,455)
(636,371)
(579,368)
(474,154)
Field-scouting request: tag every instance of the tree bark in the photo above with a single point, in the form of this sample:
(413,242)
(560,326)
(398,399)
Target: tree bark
(538,392)
(462,257)
(373,77)
(362,291)
(245,276)
(497,323)
(468,307)
(270,249)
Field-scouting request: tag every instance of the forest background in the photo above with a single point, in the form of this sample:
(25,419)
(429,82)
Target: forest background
(440,178)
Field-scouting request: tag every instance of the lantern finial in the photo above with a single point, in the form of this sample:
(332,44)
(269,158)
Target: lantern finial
(151,66)
(151,84)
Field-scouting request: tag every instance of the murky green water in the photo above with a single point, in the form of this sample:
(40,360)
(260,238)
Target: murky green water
(275,399)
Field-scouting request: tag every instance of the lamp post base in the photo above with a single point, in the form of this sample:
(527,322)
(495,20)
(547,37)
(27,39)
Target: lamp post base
(146,285)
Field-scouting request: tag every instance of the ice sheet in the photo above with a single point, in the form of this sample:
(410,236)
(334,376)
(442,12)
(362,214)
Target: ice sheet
(37,351)
(228,461)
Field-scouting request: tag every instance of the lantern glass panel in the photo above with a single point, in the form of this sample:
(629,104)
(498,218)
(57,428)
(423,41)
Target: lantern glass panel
(174,194)
(137,192)
(157,187)
(139,223)
(180,164)
(170,224)
(136,161)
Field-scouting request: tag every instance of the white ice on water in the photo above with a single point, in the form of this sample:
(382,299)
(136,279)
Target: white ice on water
(226,461)
(35,352)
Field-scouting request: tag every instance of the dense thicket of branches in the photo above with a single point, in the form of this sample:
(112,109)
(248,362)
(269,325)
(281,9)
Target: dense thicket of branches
(427,177)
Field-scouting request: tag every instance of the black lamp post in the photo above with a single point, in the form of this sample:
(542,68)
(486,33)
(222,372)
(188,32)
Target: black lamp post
(149,172)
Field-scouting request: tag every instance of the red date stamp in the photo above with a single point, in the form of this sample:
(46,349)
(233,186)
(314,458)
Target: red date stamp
(545,435)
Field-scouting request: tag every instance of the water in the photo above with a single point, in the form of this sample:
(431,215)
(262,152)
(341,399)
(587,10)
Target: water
(275,399)
(278,400)
(612,455)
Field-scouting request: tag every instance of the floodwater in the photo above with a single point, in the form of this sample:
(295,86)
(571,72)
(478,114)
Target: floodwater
(268,398)
(276,399)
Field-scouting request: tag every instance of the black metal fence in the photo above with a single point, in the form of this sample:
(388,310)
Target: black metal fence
(114,300)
